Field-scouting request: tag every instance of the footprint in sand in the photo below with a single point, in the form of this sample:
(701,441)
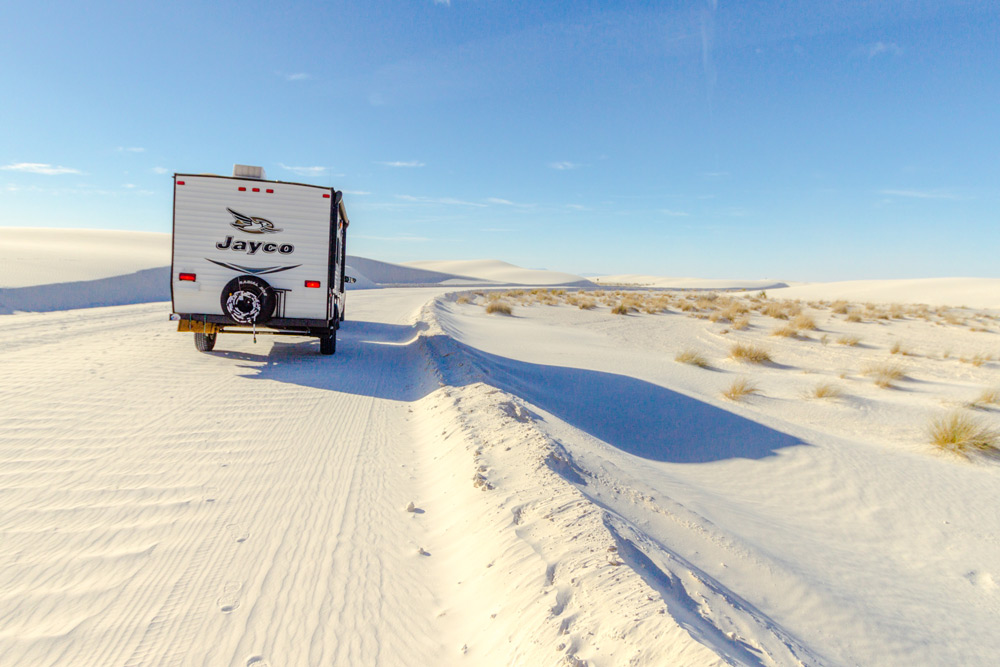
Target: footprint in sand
(257,661)
(238,532)
(230,598)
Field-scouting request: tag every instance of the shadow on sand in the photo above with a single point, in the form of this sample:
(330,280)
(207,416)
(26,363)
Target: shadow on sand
(635,416)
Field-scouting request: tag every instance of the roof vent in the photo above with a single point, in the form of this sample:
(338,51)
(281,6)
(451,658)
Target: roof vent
(246,171)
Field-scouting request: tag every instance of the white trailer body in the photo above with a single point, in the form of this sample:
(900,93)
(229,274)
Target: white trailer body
(256,255)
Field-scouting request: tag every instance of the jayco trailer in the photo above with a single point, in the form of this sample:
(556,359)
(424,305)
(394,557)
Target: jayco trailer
(257,256)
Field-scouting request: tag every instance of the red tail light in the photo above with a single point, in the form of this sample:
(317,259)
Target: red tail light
(242,189)
(326,196)
(312,283)
(187,276)
(180,182)
(269,191)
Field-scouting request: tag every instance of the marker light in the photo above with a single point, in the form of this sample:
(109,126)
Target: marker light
(242,189)
(312,283)
(187,276)
(269,191)
(180,182)
(256,189)
(326,196)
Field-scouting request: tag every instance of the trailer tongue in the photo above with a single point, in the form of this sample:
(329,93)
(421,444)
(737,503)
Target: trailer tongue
(254,256)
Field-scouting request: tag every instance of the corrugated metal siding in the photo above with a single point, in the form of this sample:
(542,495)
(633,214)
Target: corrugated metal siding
(201,221)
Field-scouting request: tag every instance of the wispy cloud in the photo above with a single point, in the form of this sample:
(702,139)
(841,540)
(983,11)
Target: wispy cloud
(446,3)
(506,202)
(356,192)
(564,165)
(304,171)
(879,48)
(297,76)
(920,194)
(130,149)
(39,168)
(447,201)
(399,163)
(160,170)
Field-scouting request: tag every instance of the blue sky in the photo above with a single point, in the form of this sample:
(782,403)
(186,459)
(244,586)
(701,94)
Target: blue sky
(789,140)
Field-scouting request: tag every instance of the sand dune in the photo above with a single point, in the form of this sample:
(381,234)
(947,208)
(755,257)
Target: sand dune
(454,487)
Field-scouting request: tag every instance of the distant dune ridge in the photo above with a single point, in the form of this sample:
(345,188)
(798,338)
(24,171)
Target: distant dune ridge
(61,269)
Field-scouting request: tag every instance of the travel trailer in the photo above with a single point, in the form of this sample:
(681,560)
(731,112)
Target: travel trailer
(253,256)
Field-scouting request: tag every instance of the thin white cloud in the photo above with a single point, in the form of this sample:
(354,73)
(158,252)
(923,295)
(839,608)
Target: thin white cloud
(446,3)
(565,165)
(399,163)
(356,192)
(131,149)
(160,170)
(878,48)
(506,202)
(39,168)
(920,194)
(298,76)
(304,171)
(128,186)
(447,201)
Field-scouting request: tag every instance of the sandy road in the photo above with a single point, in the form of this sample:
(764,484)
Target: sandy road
(245,507)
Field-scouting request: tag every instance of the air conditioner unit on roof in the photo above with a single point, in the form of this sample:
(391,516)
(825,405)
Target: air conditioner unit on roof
(246,171)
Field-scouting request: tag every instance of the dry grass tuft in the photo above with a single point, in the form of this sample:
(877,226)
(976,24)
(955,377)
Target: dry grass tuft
(849,340)
(621,309)
(499,307)
(977,360)
(463,298)
(961,434)
(987,397)
(826,390)
(739,389)
(804,322)
(692,357)
(749,353)
(885,374)
(787,331)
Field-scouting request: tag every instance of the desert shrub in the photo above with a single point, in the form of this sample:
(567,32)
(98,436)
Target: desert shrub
(787,331)
(976,360)
(885,374)
(741,323)
(804,322)
(848,340)
(986,397)
(826,390)
(691,357)
(463,298)
(586,304)
(853,316)
(839,307)
(774,309)
(739,389)
(620,309)
(961,434)
(897,348)
(499,307)
(749,353)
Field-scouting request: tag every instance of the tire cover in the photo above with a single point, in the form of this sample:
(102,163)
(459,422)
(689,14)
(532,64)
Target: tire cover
(248,300)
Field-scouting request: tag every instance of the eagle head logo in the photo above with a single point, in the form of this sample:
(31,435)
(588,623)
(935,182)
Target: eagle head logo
(252,225)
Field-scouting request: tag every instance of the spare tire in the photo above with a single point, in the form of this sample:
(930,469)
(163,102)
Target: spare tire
(248,300)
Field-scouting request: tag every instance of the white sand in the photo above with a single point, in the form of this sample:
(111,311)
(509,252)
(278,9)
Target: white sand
(663,282)
(499,272)
(578,497)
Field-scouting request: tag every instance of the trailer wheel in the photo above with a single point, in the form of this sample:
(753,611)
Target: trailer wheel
(248,300)
(328,343)
(205,342)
